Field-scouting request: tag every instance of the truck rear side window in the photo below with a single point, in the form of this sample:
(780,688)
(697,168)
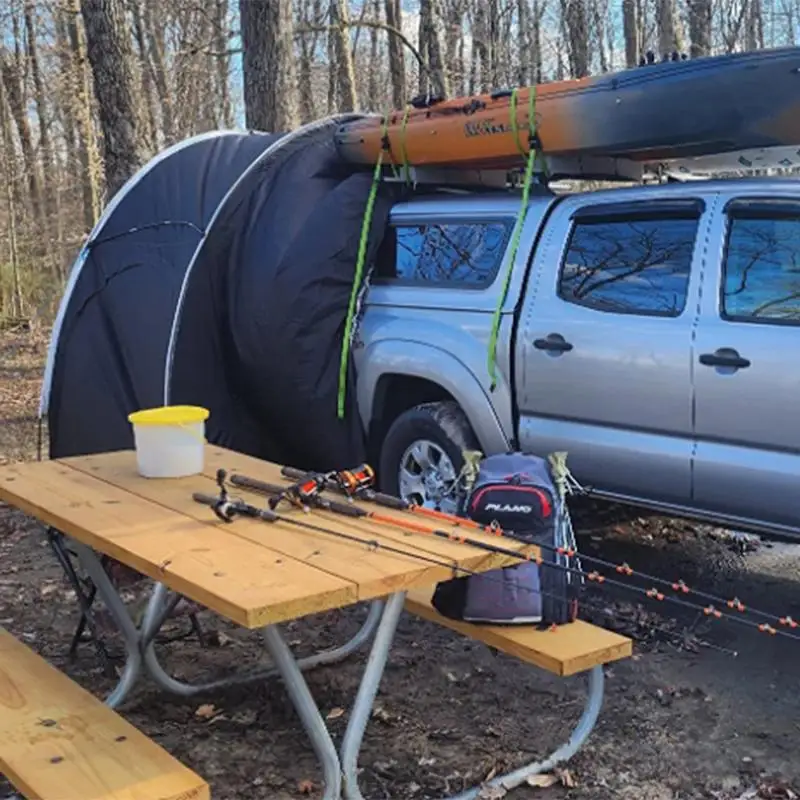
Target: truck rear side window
(463,254)
(630,266)
(761,280)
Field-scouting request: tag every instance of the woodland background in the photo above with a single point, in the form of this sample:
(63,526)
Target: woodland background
(91,89)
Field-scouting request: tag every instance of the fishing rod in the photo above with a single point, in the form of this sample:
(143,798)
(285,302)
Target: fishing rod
(227,510)
(305,494)
(356,512)
(357,482)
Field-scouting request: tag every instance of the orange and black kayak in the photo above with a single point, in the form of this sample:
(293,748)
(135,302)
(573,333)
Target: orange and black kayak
(655,113)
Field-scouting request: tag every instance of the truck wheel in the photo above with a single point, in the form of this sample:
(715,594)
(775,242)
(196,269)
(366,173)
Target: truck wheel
(421,454)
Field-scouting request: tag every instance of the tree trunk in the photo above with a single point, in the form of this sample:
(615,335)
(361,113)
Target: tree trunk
(42,111)
(481,47)
(397,64)
(669,37)
(108,47)
(536,42)
(308,46)
(345,69)
(10,180)
(146,78)
(87,152)
(699,27)
(155,46)
(269,71)
(16,105)
(630,28)
(435,81)
(373,90)
(523,42)
(754,33)
(575,18)
(223,63)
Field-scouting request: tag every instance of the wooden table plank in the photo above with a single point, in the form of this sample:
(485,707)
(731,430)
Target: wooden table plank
(376,573)
(567,650)
(217,457)
(59,741)
(248,583)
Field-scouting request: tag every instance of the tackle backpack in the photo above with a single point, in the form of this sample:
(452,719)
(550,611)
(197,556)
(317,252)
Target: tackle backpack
(517,492)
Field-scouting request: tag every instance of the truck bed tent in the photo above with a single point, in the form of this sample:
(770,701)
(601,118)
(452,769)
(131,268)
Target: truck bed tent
(220,276)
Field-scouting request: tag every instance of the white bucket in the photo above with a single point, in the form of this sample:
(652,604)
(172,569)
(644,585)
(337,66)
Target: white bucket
(170,441)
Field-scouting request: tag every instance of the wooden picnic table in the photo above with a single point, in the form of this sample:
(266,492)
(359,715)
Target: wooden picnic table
(254,573)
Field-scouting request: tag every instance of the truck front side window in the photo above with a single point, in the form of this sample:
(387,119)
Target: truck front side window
(761,280)
(630,266)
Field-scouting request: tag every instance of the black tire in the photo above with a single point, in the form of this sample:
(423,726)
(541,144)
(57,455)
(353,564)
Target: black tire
(443,423)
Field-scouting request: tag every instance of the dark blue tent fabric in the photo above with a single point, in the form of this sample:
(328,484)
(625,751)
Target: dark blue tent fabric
(222,278)
(110,351)
(265,305)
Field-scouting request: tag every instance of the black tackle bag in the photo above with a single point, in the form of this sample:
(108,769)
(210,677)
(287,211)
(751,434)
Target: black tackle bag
(516,491)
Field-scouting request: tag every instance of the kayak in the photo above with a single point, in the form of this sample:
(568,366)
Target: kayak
(658,113)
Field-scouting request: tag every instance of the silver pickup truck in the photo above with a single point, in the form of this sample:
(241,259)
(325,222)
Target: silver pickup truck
(651,332)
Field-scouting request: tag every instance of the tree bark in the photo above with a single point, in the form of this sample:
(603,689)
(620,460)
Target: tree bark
(754,33)
(155,47)
(699,27)
(669,36)
(87,151)
(223,63)
(575,17)
(10,180)
(373,90)
(345,69)
(308,46)
(630,29)
(145,77)
(42,111)
(270,88)
(108,47)
(397,64)
(434,81)
(16,105)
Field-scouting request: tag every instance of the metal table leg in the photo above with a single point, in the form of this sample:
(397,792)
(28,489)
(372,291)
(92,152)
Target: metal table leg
(362,708)
(366,695)
(183,689)
(140,649)
(579,735)
(307,709)
(113,602)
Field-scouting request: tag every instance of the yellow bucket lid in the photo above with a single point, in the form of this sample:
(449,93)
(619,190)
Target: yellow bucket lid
(169,415)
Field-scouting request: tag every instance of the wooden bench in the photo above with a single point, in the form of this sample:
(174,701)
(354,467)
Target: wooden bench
(568,650)
(58,742)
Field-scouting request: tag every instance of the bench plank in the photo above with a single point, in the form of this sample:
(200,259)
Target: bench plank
(568,650)
(59,742)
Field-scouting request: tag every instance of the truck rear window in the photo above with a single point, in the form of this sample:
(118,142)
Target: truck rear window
(462,254)
(629,266)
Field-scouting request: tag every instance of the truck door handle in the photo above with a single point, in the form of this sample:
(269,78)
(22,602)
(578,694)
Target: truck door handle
(554,342)
(724,357)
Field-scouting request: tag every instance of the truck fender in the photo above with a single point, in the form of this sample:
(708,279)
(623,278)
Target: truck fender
(430,363)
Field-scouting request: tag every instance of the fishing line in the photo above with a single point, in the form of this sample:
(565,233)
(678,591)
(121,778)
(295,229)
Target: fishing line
(229,509)
(355,513)
(310,497)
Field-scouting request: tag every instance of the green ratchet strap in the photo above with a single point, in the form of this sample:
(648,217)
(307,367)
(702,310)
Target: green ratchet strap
(521,214)
(362,257)
(403,151)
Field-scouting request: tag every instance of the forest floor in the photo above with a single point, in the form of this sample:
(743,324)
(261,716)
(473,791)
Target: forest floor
(707,710)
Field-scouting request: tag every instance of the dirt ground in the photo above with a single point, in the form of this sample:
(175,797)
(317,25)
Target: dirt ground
(702,710)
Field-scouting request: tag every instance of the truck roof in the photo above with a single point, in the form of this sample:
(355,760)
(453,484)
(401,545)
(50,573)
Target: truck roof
(506,201)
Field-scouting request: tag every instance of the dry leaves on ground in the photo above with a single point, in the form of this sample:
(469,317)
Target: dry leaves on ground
(546,779)
(206,711)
